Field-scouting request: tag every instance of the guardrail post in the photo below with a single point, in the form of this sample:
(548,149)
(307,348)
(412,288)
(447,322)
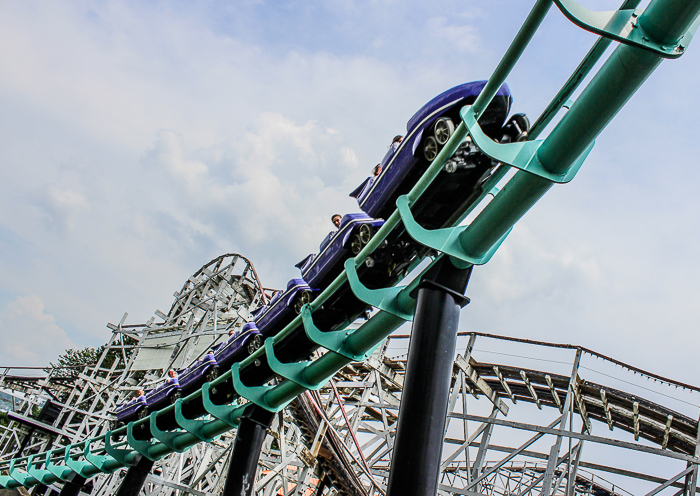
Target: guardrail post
(135,477)
(72,486)
(415,464)
(243,464)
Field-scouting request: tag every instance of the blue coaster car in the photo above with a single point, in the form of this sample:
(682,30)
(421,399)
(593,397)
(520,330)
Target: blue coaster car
(130,409)
(203,370)
(427,131)
(354,233)
(283,307)
(164,394)
(238,346)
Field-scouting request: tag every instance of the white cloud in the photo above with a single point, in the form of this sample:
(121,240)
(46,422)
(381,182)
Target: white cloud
(463,37)
(62,207)
(168,152)
(272,187)
(30,336)
(137,142)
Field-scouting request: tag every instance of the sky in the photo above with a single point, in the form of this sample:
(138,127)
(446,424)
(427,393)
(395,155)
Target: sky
(139,140)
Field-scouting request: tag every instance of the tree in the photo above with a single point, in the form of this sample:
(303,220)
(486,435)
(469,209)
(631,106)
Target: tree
(75,360)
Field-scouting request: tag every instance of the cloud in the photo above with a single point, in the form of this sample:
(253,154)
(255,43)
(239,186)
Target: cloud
(168,152)
(139,141)
(271,187)
(463,37)
(62,207)
(30,336)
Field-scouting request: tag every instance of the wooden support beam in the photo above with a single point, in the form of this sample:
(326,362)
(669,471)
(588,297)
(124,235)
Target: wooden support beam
(504,384)
(555,395)
(581,405)
(480,384)
(635,416)
(606,407)
(318,439)
(533,393)
(585,436)
(471,390)
(667,431)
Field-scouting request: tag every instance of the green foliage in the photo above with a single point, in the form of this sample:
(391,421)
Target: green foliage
(76,360)
(116,354)
(86,356)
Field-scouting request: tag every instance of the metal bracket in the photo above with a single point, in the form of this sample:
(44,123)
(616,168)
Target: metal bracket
(39,474)
(292,371)
(165,437)
(384,299)
(6,480)
(445,240)
(63,473)
(622,26)
(23,478)
(228,414)
(77,466)
(194,427)
(521,155)
(116,453)
(333,341)
(98,461)
(140,446)
(256,394)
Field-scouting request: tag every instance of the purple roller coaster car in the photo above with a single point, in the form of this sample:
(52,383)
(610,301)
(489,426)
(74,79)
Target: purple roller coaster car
(243,342)
(130,408)
(283,307)
(426,132)
(354,233)
(240,344)
(201,371)
(154,398)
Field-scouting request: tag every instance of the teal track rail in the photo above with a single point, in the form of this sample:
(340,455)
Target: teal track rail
(663,30)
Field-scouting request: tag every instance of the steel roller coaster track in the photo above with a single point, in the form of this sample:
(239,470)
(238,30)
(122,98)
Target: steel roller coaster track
(662,30)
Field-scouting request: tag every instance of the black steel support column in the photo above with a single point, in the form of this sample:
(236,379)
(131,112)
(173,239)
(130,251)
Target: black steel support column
(246,451)
(415,465)
(72,486)
(135,477)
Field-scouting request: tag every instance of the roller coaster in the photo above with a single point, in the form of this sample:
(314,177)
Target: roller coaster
(413,266)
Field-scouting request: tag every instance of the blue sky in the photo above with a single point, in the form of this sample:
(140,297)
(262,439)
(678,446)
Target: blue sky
(139,141)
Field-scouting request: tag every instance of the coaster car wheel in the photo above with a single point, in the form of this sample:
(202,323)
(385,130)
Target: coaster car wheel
(430,148)
(174,397)
(254,344)
(212,374)
(517,128)
(356,244)
(365,233)
(444,127)
(301,299)
(143,413)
